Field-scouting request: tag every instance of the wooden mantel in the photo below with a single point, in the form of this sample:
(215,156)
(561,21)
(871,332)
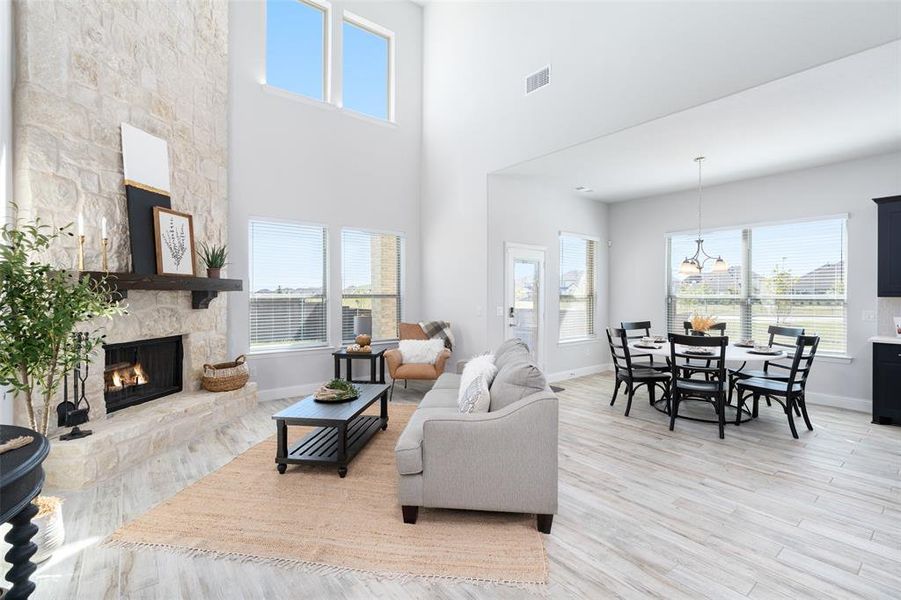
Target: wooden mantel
(203,289)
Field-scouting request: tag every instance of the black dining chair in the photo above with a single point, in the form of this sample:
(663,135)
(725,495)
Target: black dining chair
(635,330)
(789,393)
(786,339)
(634,376)
(712,389)
(720,328)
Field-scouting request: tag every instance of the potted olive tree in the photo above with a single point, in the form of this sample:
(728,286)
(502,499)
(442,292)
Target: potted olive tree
(41,306)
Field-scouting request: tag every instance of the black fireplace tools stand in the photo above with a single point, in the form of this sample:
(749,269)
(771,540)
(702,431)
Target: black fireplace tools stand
(72,413)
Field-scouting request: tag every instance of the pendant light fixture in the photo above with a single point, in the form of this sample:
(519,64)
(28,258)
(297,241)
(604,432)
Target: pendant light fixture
(693,265)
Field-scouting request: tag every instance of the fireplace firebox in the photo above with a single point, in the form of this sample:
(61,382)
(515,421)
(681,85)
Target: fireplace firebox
(140,371)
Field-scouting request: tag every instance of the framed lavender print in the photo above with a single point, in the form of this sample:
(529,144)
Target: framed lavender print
(174,238)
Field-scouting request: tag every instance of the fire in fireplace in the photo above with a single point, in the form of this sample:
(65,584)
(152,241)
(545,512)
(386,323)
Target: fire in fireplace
(140,371)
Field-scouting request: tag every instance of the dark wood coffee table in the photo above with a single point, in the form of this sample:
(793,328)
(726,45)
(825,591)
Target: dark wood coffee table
(341,429)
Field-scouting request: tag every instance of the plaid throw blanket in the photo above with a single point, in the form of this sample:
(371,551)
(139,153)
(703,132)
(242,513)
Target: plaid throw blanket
(440,330)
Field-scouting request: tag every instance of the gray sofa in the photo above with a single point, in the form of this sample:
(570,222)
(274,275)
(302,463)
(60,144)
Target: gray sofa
(503,460)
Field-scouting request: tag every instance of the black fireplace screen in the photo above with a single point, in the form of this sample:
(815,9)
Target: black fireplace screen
(137,372)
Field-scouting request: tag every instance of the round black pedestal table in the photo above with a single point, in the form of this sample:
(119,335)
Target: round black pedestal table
(21,480)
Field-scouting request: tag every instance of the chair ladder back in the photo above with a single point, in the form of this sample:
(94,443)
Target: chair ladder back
(718,327)
(644,326)
(694,341)
(803,359)
(620,353)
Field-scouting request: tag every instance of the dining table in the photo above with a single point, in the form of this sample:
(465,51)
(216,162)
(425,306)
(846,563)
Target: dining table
(737,357)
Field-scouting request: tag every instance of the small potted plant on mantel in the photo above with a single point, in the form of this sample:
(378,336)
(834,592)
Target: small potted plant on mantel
(213,258)
(41,306)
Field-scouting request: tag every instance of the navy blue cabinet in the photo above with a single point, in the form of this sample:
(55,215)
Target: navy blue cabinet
(887,384)
(889,246)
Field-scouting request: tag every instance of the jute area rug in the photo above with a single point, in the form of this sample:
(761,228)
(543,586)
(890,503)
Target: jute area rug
(311,518)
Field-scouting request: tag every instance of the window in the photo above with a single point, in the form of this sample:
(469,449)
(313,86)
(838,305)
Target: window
(296,47)
(288,277)
(577,286)
(791,274)
(367,68)
(371,274)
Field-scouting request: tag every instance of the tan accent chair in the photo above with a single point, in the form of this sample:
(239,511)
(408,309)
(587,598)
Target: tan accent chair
(416,371)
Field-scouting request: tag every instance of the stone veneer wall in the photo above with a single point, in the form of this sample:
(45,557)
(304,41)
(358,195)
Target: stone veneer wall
(83,68)
(888,309)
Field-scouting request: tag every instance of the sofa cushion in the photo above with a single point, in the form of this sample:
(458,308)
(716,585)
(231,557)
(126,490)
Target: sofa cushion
(415,371)
(477,366)
(514,381)
(510,350)
(440,398)
(408,451)
(447,381)
(476,398)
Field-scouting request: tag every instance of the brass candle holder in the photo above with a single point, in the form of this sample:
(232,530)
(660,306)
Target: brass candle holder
(81,252)
(104,244)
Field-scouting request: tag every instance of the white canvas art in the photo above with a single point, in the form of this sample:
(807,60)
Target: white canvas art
(145,158)
(174,242)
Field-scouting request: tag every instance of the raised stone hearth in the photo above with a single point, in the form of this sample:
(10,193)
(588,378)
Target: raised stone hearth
(131,435)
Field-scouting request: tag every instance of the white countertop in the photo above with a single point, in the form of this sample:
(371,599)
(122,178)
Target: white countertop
(885,339)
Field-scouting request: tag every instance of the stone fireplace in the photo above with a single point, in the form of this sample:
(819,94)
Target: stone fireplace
(84,69)
(141,371)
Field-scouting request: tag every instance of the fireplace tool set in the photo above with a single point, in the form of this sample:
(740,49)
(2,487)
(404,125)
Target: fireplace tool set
(72,413)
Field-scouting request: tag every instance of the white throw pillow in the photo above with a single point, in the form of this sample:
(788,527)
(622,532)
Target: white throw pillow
(478,366)
(476,398)
(420,352)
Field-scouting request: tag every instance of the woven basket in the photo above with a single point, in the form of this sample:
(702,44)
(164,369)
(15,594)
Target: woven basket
(227,376)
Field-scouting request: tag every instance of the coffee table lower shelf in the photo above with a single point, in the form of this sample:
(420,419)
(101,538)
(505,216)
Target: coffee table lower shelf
(322,445)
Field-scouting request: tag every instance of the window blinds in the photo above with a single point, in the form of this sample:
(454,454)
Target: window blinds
(791,274)
(577,287)
(371,282)
(288,299)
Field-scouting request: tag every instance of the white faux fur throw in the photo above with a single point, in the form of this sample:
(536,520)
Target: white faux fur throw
(420,351)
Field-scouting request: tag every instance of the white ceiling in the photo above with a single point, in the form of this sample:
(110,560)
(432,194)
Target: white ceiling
(841,110)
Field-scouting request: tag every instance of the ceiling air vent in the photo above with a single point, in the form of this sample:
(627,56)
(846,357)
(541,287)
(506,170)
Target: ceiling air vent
(538,80)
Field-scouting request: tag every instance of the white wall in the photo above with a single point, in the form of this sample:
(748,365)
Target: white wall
(528,210)
(614,65)
(295,159)
(847,187)
(6,115)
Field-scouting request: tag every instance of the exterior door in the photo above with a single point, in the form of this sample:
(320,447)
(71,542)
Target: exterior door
(524,292)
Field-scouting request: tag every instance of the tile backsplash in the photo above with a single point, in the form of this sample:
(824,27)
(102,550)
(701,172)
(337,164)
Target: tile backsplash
(887,310)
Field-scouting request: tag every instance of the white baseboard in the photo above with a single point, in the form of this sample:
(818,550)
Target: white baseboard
(293,391)
(580,372)
(856,404)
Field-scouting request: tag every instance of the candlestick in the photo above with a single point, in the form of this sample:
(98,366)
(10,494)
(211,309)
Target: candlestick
(104,243)
(81,252)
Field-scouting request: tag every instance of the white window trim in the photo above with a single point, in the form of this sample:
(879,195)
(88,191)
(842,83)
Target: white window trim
(376,29)
(594,336)
(282,348)
(326,8)
(822,355)
(402,288)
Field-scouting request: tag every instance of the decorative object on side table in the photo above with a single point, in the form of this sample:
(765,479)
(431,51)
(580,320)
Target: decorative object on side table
(337,390)
(227,376)
(213,258)
(363,331)
(174,239)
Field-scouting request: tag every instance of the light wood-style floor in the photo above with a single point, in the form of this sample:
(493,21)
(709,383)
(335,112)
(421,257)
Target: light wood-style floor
(643,513)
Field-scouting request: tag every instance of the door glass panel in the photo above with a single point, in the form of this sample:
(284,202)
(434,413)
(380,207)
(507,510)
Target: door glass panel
(524,316)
